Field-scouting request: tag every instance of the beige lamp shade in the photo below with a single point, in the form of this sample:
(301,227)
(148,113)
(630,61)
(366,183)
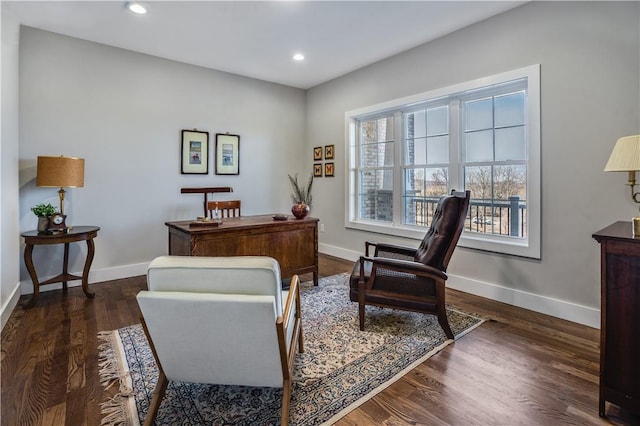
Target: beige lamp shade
(60,172)
(625,156)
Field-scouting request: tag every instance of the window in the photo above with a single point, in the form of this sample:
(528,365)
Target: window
(482,136)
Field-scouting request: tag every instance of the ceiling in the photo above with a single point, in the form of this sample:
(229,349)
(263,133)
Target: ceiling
(258,38)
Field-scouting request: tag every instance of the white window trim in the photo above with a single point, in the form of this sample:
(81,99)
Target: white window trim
(531,247)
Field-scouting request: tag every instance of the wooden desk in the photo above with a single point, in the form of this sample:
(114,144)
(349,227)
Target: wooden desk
(77,233)
(619,317)
(293,242)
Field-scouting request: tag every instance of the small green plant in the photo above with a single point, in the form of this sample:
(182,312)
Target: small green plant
(43,210)
(301,194)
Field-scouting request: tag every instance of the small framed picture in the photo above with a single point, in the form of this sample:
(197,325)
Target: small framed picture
(328,152)
(328,169)
(317,153)
(195,152)
(317,170)
(227,154)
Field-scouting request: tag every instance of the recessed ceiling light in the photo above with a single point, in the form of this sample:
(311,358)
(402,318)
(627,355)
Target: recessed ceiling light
(298,57)
(136,8)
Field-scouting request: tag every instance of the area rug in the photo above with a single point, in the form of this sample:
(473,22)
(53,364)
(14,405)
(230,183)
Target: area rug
(341,368)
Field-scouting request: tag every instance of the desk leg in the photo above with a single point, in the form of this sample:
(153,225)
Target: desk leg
(28,260)
(65,266)
(315,277)
(87,266)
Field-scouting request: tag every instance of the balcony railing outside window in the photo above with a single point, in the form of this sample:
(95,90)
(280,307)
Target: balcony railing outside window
(500,217)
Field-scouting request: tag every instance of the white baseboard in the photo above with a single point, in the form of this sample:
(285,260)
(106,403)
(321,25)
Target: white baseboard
(95,276)
(533,302)
(339,252)
(10,305)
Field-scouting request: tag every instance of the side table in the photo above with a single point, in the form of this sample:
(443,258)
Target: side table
(75,234)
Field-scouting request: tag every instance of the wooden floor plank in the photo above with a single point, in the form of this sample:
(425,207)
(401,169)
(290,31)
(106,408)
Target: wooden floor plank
(518,368)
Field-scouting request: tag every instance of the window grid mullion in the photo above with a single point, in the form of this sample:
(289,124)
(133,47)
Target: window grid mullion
(456,176)
(399,160)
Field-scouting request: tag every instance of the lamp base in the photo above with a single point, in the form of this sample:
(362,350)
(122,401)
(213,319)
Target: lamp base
(636,227)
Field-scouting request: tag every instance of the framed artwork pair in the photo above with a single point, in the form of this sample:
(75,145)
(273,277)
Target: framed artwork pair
(326,153)
(195,153)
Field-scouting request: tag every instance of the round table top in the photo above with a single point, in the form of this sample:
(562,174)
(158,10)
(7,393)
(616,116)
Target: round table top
(74,231)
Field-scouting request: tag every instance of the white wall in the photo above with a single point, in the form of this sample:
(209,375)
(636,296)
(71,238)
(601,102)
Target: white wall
(590,81)
(123,112)
(9,235)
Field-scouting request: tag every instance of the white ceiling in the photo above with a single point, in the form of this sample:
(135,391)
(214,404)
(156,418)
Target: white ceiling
(258,38)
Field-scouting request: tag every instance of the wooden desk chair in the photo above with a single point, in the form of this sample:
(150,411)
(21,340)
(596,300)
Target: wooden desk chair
(228,208)
(205,192)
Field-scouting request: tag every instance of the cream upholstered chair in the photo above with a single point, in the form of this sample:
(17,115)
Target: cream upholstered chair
(221,320)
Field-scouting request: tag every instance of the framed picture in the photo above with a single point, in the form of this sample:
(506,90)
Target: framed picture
(328,169)
(317,170)
(227,154)
(328,152)
(195,152)
(317,153)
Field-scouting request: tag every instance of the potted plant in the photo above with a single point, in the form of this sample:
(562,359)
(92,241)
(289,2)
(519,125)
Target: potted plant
(43,211)
(301,196)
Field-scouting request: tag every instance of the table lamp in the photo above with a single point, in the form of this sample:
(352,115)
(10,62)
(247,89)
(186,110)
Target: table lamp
(625,157)
(60,172)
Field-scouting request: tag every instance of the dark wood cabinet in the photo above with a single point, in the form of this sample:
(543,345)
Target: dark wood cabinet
(620,317)
(293,243)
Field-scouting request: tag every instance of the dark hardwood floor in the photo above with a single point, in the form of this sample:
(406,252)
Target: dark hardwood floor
(518,368)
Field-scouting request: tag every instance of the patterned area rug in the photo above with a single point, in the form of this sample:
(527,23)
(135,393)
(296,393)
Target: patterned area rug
(341,368)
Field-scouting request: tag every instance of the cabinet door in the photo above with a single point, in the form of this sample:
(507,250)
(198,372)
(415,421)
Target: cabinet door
(622,295)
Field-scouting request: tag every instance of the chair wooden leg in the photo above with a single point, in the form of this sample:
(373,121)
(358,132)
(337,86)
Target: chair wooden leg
(300,342)
(286,398)
(441,309)
(444,322)
(361,298)
(161,388)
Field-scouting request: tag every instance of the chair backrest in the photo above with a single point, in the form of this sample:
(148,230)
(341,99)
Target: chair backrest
(212,319)
(438,244)
(229,208)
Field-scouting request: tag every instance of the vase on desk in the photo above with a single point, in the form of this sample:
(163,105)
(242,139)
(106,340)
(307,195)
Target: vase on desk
(300,210)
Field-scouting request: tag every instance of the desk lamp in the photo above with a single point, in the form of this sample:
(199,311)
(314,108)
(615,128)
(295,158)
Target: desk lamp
(625,157)
(60,172)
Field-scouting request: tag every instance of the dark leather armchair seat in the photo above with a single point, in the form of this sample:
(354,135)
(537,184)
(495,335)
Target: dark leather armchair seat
(412,279)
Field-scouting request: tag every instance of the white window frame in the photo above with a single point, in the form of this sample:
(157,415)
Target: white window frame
(525,247)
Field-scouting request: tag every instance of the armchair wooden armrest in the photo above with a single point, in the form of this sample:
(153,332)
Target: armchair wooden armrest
(291,317)
(292,307)
(389,248)
(400,265)
(408,267)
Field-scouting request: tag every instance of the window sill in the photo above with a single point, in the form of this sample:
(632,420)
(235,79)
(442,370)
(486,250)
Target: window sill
(488,243)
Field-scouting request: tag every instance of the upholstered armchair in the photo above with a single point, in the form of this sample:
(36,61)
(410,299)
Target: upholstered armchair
(412,279)
(221,320)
